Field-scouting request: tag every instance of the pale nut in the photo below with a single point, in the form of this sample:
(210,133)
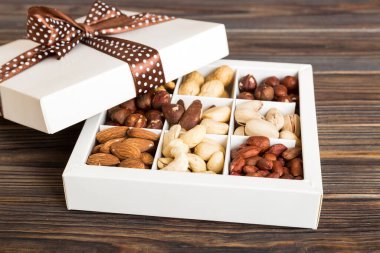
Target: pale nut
(180,163)
(206,149)
(223,73)
(174,148)
(212,142)
(240,131)
(194,136)
(216,162)
(215,127)
(295,119)
(194,76)
(196,163)
(218,113)
(259,127)
(225,94)
(212,88)
(254,105)
(172,134)
(189,88)
(275,117)
(163,162)
(243,115)
(284,134)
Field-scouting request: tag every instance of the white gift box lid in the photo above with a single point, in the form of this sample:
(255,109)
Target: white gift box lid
(56,94)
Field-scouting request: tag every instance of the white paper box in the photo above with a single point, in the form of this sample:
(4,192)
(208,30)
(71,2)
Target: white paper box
(54,95)
(281,202)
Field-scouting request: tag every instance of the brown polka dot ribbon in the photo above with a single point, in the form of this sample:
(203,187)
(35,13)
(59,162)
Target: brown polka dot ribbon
(58,34)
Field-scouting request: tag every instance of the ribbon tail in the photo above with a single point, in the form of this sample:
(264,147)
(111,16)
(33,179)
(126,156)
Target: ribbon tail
(23,62)
(144,61)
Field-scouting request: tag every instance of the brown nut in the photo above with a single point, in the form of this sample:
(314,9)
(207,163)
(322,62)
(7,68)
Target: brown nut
(192,116)
(295,167)
(123,150)
(173,112)
(120,115)
(259,141)
(281,160)
(155,124)
(246,95)
(136,120)
(272,81)
(160,98)
(280,90)
(290,82)
(291,153)
(111,133)
(237,165)
(147,158)
(154,115)
(270,157)
(247,83)
(250,169)
(294,98)
(234,153)
(144,102)
(284,99)
(132,163)
(130,105)
(274,175)
(111,110)
(143,134)
(260,173)
(234,173)
(278,168)
(249,151)
(252,160)
(286,170)
(277,149)
(102,159)
(264,92)
(298,178)
(264,164)
(287,176)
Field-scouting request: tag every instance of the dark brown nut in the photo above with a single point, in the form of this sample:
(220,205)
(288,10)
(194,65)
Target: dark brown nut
(247,83)
(291,153)
(264,164)
(280,90)
(154,115)
(287,176)
(144,102)
(111,110)
(180,102)
(130,105)
(295,167)
(173,113)
(294,98)
(192,116)
(249,151)
(120,115)
(246,95)
(155,124)
(290,82)
(249,169)
(270,157)
(274,175)
(160,98)
(111,123)
(278,168)
(147,158)
(286,170)
(284,99)
(136,120)
(264,92)
(259,141)
(281,160)
(277,149)
(132,163)
(252,161)
(260,173)
(272,81)
(237,165)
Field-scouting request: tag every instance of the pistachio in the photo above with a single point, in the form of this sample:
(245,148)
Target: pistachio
(259,127)
(275,117)
(284,134)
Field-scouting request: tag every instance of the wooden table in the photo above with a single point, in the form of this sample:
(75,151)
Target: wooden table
(341,39)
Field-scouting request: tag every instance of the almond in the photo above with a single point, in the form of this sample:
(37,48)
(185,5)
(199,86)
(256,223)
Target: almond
(291,153)
(142,144)
(277,149)
(249,151)
(124,150)
(143,134)
(132,163)
(105,148)
(147,158)
(111,133)
(103,159)
(96,149)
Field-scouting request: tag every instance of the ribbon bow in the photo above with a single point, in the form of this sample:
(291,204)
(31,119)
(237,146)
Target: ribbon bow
(58,34)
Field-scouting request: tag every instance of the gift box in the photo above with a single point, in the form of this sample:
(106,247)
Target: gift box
(216,197)
(55,94)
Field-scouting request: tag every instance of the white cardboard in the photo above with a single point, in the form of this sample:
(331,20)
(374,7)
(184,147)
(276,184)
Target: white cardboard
(54,95)
(281,202)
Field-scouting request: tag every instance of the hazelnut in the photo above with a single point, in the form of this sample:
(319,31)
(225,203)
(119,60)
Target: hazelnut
(280,90)
(154,115)
(155,124)
(284,99)
(130,105)
(247,83)
(111,110)
(173,112)
(120,115)
(264,92)
(160,98)
(290,82)
(144,102)
(246,95)
(136,120)
(272,81)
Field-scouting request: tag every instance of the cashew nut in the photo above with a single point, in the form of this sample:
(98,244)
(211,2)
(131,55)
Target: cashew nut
(194,136)
(275,117)
(180,163)
(196,163)
(218,113)
(214,127)
(216,162)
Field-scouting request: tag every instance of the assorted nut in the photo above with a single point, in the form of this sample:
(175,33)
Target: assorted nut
(213,85)
(271,89)
(256,158)
(190,151)
(124,147)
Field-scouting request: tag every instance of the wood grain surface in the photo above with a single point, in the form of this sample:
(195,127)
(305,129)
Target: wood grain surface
(342,41)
